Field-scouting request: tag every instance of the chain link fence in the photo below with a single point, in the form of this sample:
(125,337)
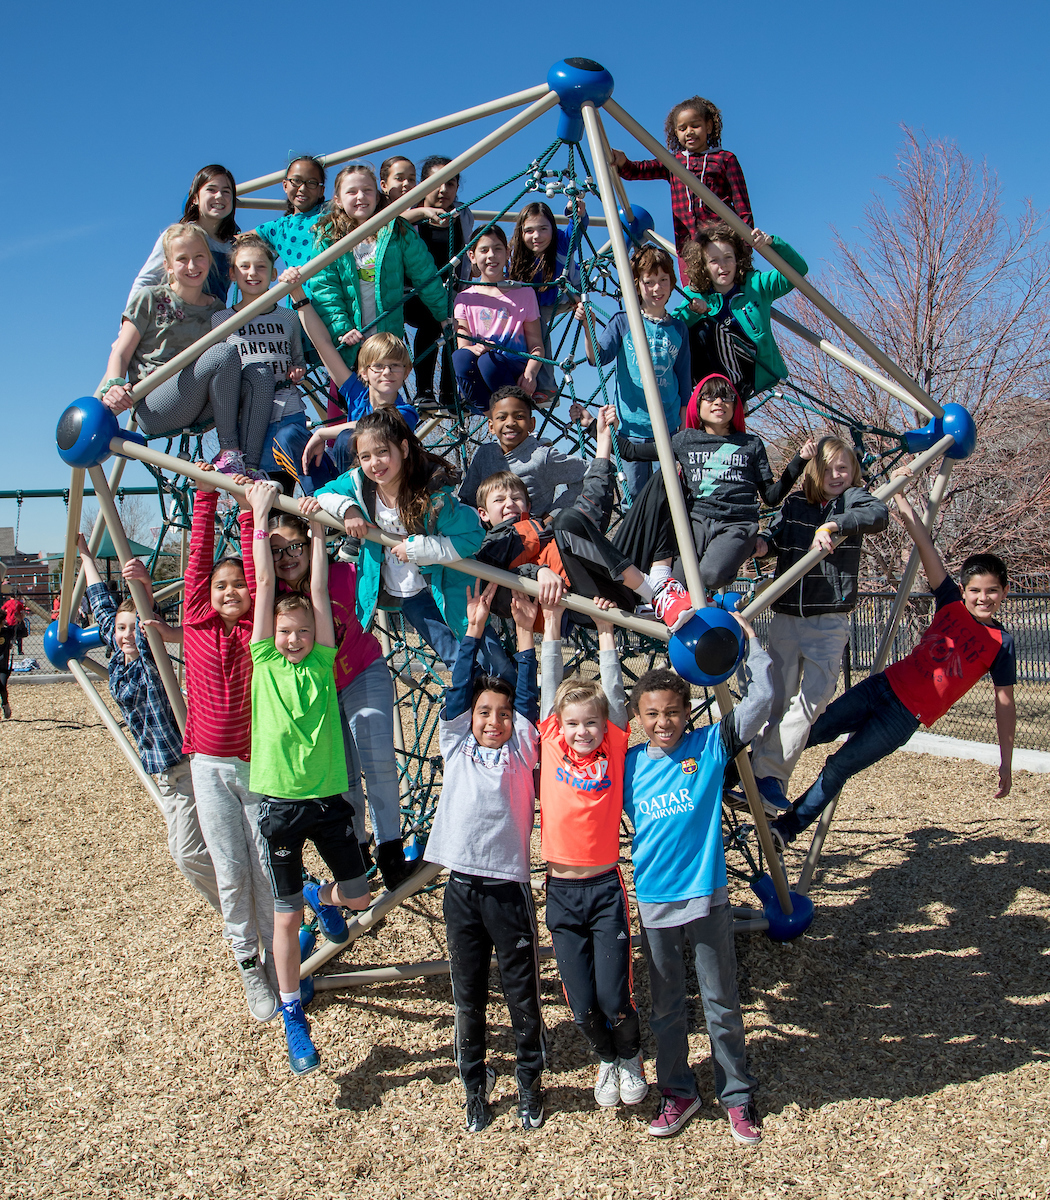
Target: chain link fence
(1026,615)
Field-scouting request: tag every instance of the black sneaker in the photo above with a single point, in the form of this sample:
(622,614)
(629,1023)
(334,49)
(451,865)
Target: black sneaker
(479,1115)
(530,1108)
(349,549)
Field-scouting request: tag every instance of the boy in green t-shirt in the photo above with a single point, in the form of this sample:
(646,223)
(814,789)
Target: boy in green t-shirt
(298,764)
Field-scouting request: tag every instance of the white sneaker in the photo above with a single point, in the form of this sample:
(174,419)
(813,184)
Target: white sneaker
(607,1085)
(631,1073)
(263,1004)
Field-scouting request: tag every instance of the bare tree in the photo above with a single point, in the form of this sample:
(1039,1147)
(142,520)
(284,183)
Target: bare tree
(138,514)
(958,294)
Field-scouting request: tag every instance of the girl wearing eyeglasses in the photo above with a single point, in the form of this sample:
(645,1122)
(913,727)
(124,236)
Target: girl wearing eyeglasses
(289,236)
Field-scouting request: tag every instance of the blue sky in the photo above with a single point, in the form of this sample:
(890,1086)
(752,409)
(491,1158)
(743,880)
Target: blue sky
(114,106)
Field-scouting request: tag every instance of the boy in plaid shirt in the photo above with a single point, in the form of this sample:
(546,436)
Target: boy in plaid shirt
(135,684)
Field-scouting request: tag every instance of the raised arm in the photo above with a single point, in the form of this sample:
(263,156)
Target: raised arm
(316,330)
(609,667)
(920,535)
(460,692)
(320,600)
(526,696)
(262,494)
(552,667)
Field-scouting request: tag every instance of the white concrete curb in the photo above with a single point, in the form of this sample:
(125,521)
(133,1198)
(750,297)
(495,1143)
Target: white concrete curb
(946,747)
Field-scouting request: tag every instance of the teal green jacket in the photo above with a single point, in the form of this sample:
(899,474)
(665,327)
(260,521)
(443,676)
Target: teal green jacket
(400,255)
(452,530)
(751,307)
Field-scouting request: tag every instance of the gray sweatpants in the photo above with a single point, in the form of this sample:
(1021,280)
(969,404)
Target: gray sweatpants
(807,655)
(185,840)
(229,818)
(714,953)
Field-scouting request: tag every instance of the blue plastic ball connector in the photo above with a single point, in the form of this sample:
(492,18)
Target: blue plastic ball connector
(783,927)
(708,648)
(76,646)
(84,432)
(956,421)
(307,942)
(639,226)
(577,81)
(729,601)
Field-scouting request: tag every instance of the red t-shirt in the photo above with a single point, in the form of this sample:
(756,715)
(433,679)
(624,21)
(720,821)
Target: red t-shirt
(581,799)
(954,652)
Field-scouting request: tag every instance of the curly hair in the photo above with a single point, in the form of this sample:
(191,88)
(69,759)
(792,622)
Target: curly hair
(696,260)
(660,679)
(191,213)
(523,262)
(422,473)
(706,109)
(335,224)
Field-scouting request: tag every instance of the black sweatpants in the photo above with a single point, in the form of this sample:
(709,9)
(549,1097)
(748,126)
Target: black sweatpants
(590,925)
(481,915)
(593,564)
(428,345)
(646,535)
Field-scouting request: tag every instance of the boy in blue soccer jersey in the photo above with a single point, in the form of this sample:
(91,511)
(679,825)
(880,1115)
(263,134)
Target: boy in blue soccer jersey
(673,797)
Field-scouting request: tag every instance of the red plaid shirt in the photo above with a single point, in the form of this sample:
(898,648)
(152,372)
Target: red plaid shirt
(718,169)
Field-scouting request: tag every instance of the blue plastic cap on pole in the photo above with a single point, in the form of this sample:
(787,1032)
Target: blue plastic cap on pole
(76,646)
(639,226)
(576,81)
(957,422)
(85,430)
(782,926)
(708,648)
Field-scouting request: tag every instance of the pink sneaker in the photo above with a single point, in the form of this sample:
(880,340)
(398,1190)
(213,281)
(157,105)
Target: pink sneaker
(671,605)
(674,1113)
(229,462)
(745,1124)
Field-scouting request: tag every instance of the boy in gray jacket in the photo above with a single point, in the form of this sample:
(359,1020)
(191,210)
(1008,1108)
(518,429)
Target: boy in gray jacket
(539,466)
(481,832)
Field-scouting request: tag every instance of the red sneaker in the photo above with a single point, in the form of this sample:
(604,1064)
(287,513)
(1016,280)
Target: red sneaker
(674,1113)
(671,605)
(745,1124)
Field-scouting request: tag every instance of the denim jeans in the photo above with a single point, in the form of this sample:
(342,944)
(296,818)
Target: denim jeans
(422,613)
(367,708)
(478,377)
(879,724)
(637,475)
(714,952)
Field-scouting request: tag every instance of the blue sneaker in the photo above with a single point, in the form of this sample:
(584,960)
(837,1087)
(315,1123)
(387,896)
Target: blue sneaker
(772,792)
(302,1056)
(331,920)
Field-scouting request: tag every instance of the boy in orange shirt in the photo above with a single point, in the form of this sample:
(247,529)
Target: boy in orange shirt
(584,738)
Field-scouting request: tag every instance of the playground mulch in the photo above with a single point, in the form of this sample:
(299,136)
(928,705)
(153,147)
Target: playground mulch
(902,1044)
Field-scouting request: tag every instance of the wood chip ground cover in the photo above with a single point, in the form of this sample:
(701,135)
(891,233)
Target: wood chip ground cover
(902,1044)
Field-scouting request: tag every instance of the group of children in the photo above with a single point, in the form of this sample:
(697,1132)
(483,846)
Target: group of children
(290,702)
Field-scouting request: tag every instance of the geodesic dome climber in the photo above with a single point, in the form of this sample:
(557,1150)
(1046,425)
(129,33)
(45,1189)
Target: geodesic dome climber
(706,651)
